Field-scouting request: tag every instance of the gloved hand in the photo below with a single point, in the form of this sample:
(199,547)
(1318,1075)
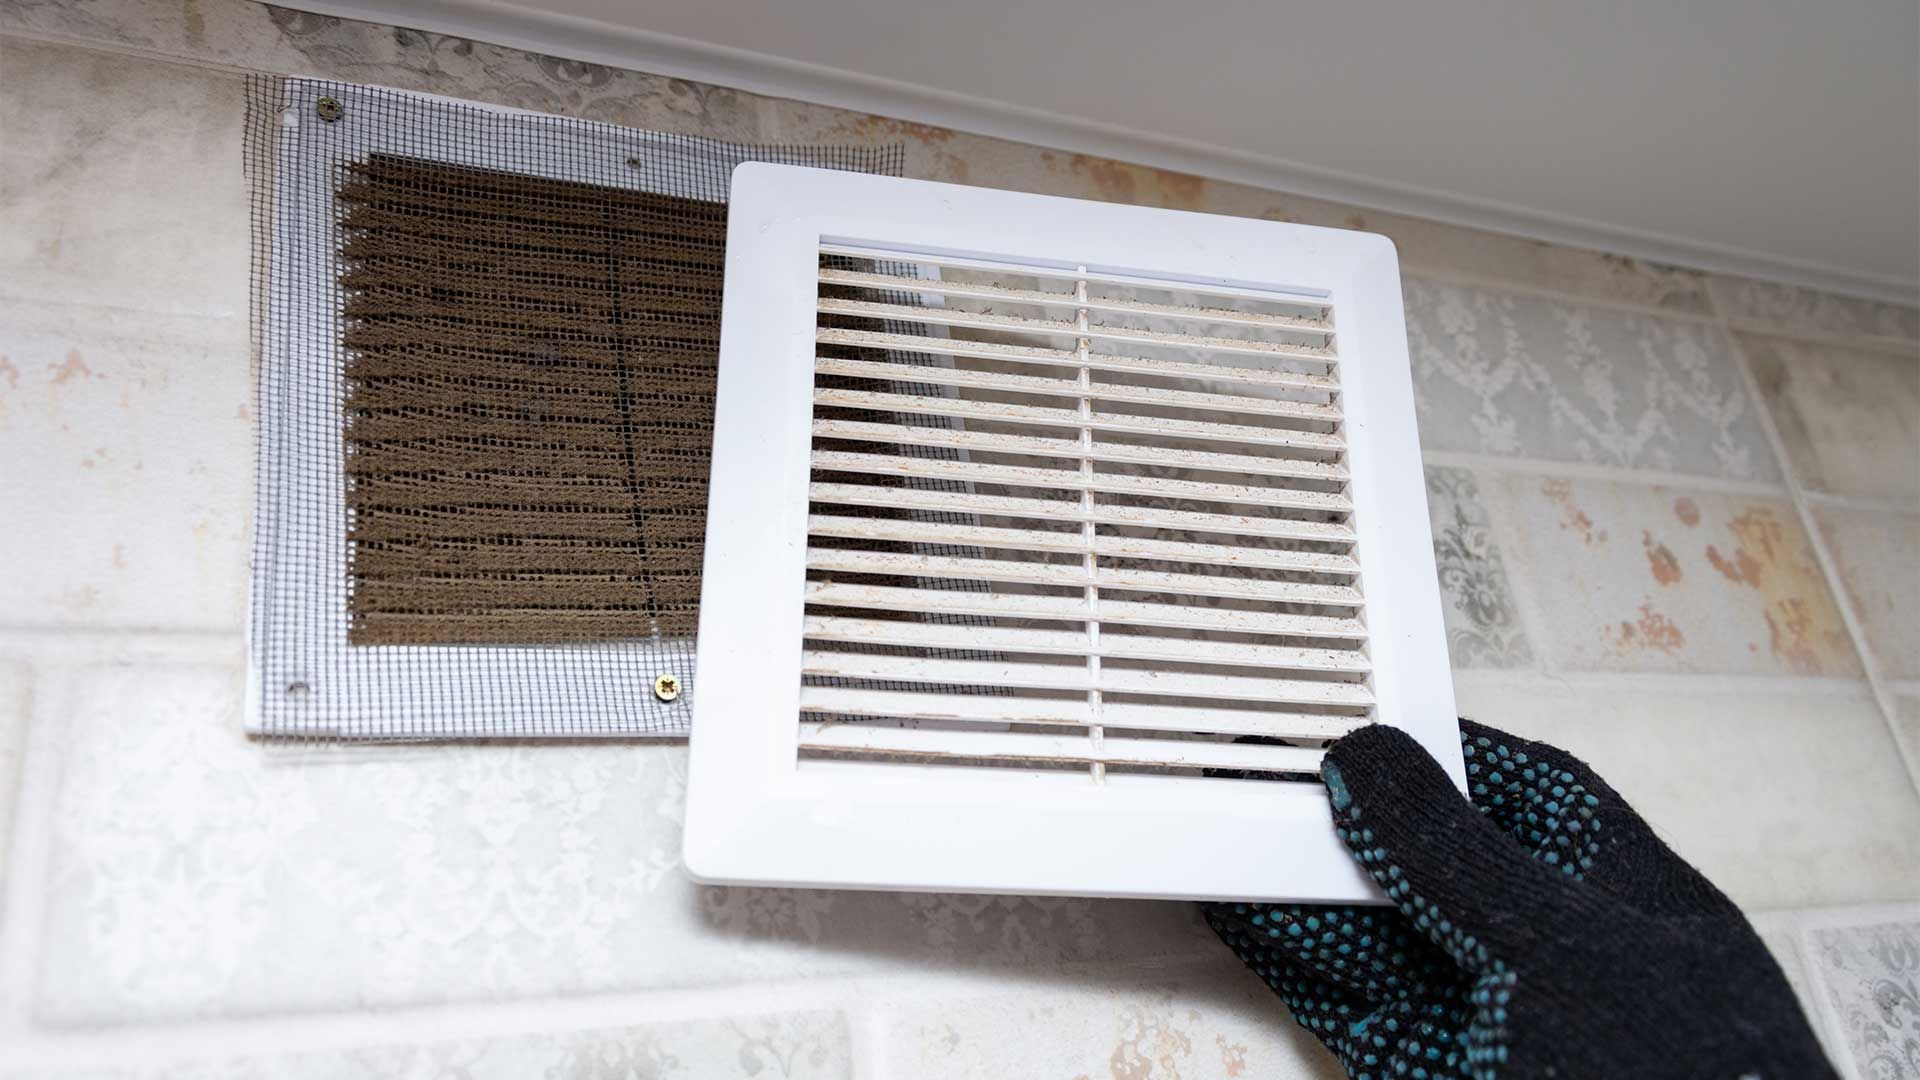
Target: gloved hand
(1541,930)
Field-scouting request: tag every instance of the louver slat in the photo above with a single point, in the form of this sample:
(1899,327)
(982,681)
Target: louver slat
(1008,532)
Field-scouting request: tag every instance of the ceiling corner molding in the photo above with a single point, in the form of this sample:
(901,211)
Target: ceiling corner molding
(663,54)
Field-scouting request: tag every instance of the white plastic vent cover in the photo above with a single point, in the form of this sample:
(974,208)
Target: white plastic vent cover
(1049,544)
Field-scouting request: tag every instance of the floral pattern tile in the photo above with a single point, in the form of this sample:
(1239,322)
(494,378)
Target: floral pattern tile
(1871,976)
(1778,932)
(1483,624)
(1878,558)
(796,1046)
(1849,418)
(1223,1026)
(193,869)
(1632,577)
(1515,375)
(1809,311)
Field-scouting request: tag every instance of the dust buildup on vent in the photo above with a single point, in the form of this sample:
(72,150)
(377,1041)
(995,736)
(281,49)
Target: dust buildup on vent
(529,377)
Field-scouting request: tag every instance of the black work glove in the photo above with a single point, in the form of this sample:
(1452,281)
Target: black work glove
(1541,930)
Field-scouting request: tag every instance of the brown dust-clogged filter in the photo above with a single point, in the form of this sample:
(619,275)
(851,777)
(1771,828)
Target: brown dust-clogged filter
(529,376)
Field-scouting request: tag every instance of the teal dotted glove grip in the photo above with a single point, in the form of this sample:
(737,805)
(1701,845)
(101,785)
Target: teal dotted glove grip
(1540,930)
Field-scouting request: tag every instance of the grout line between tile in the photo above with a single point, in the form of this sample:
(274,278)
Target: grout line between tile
(1823,555)
(1578,470)
(1841,1055)
(162,1042)
(1865,343)
(1665,681)
(1444,276)
(28,855)
(1868,503)
(1506,535)
(74,645)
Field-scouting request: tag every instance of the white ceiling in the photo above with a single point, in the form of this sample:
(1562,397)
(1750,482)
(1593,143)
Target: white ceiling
(1760,135)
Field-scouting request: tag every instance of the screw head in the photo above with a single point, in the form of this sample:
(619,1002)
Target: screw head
(666,687)
(329,109)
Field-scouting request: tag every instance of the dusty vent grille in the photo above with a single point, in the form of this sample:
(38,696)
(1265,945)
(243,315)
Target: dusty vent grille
(1077,521)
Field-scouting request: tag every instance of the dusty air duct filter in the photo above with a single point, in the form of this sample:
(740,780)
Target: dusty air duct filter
(488,342)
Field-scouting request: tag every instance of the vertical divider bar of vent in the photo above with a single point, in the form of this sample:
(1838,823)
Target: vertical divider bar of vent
(1336,397)
(1082,345)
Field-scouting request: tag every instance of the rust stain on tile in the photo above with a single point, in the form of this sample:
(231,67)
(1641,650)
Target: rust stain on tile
(1666,568)
(119,556)
(1113,180)
(1687,511)
(955,167)
(243,413)
(1804,629)
(885,127)
(1572,518)
(73,367)
(1356,221)
(1760,537)
(1180,190)
(1233,1056)
(1653,631)
(81,600)
(9,372)
(1150,1048)
(1118,181)
(1741,569)
(1790,634)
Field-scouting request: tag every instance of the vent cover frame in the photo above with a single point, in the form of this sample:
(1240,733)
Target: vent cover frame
(758,814)
(305,679)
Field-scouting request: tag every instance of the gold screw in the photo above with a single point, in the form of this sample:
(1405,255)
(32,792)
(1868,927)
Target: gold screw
(329,109)
(666,687)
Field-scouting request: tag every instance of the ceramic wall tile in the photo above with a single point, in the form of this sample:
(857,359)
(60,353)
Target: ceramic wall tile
(128,444)
(1878,557)
(194,869)
(1517,375)
(1483,623)
(1871,976)
(124,387)
(797,1046)
(1222,1026)
(1632,577)
(121,185)
(1809,311)
(1784,797)
(1849,418)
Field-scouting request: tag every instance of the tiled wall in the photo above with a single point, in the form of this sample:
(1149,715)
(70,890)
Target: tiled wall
(1677,519)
